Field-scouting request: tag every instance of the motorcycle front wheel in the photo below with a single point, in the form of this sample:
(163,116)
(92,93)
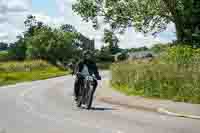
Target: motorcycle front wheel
(90,96)
(80,97)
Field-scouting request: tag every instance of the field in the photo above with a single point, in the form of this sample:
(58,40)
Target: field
(176,79)
(13,72)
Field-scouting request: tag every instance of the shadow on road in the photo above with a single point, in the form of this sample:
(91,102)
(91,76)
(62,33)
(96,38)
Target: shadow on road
(102,109)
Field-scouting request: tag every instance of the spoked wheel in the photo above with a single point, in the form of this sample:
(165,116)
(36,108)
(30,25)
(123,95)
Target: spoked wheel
(90,96)
(79,101)
(80,97)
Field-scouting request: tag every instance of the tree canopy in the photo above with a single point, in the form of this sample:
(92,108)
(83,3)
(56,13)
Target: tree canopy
(3,46)
(41,41)
(147,16)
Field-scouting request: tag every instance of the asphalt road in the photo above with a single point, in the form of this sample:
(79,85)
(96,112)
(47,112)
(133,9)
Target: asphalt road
(47,107)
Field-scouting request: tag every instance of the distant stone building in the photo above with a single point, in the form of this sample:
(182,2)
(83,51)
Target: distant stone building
(141,55)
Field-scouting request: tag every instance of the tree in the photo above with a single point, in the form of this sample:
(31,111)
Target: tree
(159,48)
(50,44)
(32,25)
(3,46)
(40,41)
(68,28)
(147,16)
(17,50)
(81,41)
(111,39)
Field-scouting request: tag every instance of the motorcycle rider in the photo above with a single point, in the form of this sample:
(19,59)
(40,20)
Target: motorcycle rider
(85,67)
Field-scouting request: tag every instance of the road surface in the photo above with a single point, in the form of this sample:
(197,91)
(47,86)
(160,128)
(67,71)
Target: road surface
(47,107)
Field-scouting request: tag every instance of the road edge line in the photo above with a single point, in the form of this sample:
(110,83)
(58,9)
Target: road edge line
(165,111)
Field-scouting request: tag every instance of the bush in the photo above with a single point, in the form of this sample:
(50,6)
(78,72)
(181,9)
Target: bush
(104,65)
(105,58)
(4,56)
(24,66)
(122,57)
(159,48)
(181,55)
(175,76)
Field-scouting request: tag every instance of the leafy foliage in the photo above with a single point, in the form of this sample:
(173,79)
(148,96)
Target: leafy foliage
(111,39)
(104,55)
(159,48)
(147,16)
(181,55)
(123,56)
(40,41)
(68,28)
(51,45)
(3,46)
(18,49)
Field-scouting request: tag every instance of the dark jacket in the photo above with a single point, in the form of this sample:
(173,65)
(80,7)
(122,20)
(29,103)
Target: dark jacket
(92,67)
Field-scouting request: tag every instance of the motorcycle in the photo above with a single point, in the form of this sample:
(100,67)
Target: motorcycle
(86,91)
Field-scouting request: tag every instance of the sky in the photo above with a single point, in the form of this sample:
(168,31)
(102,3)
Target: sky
(57,12)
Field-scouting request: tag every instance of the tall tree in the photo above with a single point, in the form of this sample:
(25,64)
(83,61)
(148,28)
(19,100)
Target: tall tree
(68,28)
(32,25)
(111,39)
(3,46)
(147,16)
(18,49)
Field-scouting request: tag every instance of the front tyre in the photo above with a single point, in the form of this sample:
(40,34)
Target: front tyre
(90,96)
(79,102)
(80,97)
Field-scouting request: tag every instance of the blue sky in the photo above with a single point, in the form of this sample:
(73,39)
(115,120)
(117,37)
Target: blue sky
(57,12)
(46,6)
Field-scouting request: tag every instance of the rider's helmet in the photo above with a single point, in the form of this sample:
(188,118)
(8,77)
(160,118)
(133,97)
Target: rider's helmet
(87,55)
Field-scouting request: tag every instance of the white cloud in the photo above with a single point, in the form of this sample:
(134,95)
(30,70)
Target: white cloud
(52,21)
(12,15)
(134,39)
(4,35)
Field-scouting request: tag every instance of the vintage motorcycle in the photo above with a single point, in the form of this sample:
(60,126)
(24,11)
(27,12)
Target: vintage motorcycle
(86,91)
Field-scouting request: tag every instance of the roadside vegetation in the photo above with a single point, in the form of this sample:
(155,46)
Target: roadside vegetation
(175,75)
(4,55)
(41,52)
(13,72)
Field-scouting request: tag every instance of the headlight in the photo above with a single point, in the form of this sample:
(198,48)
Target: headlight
(90,78)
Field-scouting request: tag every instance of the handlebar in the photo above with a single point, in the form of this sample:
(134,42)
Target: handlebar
(93,76)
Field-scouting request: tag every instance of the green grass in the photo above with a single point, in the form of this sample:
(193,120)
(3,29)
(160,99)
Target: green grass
(104,65)
(4,55)
(13,72)
(176,77)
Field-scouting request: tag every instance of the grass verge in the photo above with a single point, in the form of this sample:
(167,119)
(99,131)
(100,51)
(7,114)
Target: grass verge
(17,74)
